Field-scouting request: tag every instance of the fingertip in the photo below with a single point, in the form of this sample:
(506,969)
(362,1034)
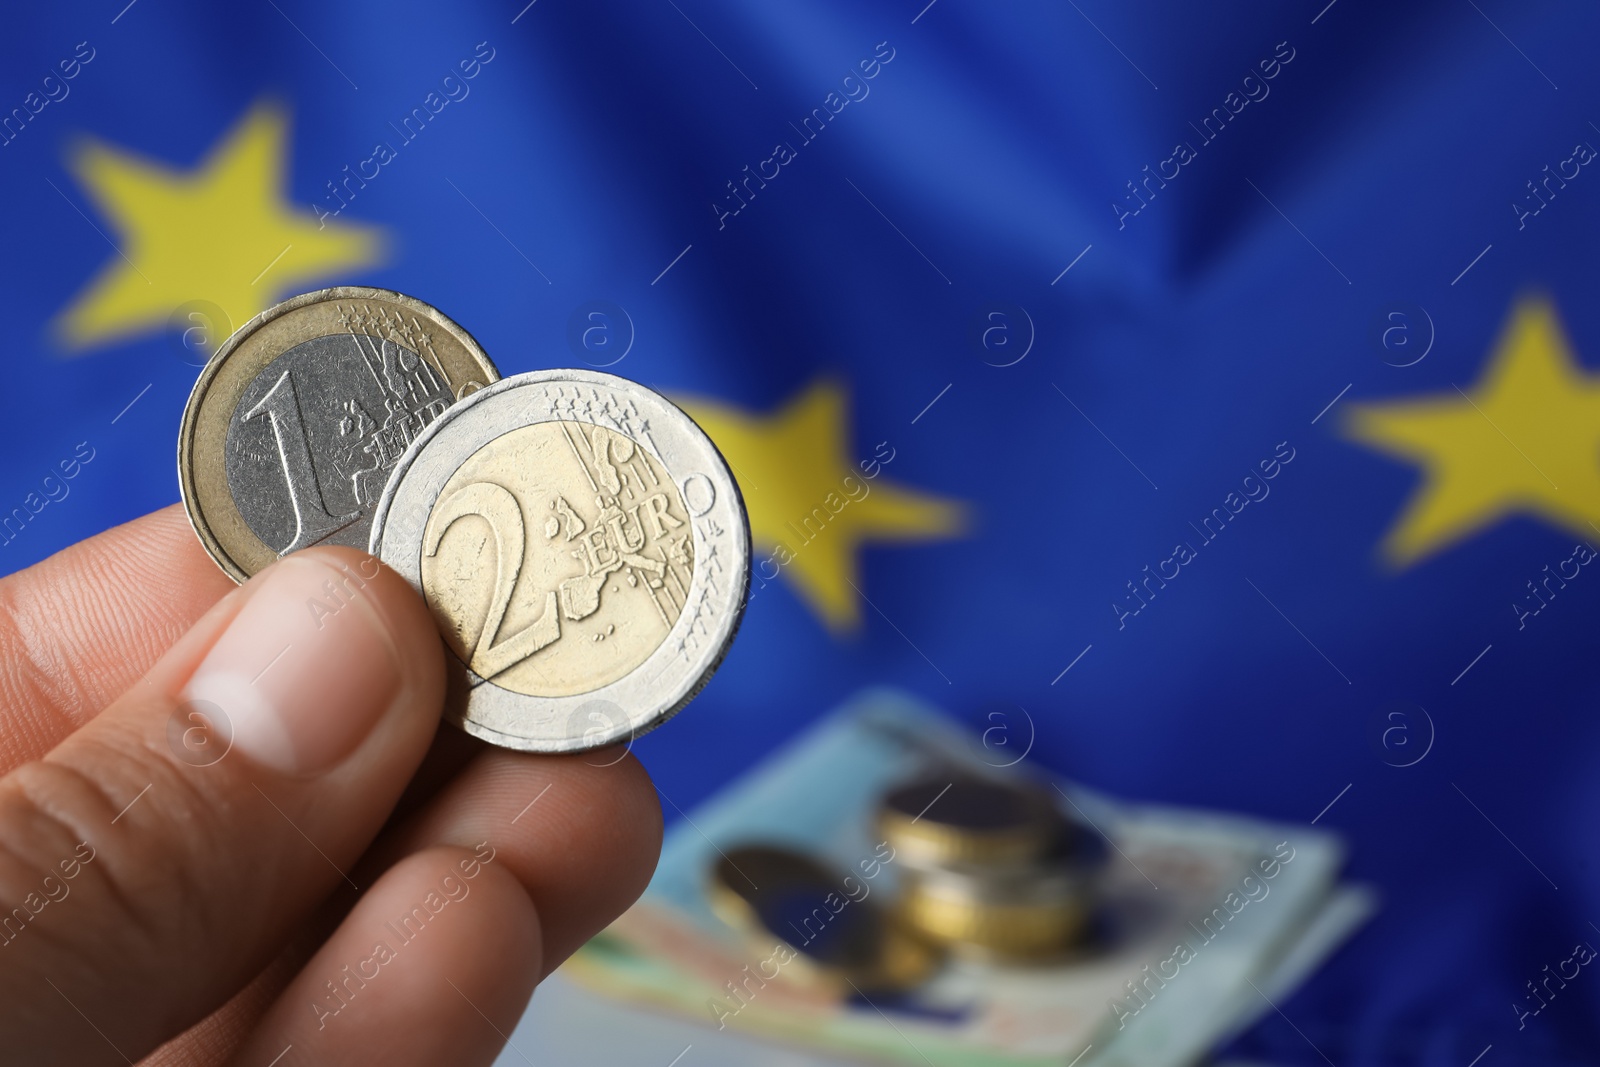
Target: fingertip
(603,818)
(590,854)
(362,578)
(328,652)
(634,789)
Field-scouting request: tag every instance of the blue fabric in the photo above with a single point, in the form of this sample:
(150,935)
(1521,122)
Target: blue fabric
(1186,342)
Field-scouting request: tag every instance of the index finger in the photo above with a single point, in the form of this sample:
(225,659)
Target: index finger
(82,626)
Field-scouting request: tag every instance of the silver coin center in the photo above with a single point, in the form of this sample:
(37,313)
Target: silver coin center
(315,435)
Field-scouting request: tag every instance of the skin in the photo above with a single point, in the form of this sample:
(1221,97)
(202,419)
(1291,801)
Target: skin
(208,924)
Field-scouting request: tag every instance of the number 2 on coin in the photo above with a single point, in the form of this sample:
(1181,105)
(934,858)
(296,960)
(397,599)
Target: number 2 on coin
(496,505)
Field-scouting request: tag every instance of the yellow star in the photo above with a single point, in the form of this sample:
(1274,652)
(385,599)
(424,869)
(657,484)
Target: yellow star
(223,232)
(810,506)
(1526,441)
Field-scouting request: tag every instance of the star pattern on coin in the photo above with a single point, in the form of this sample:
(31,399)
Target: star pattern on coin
(1524,441)
(794,461)
(223,232)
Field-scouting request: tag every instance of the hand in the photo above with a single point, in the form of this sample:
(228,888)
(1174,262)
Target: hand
(285,888)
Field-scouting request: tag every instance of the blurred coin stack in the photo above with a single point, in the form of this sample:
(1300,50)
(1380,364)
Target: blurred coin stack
(878,890)
(839,936)
(990,869)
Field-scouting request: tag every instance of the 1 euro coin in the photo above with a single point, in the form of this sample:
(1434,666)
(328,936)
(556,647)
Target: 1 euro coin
(295,423)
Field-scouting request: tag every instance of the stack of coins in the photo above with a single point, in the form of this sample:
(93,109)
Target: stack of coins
(580,541)
(990,868)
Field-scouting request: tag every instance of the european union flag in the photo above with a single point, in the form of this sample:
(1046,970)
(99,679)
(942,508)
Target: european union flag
(1213,393)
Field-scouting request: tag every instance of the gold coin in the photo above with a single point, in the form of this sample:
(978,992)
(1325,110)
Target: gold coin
(1014,913)
(294,425)
(839,939)
(939,820)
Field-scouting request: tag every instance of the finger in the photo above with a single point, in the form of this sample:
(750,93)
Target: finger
(581,833)
(583,837)
(83,625)
(582,851)
(218,1037)
(434,965)
(155,877)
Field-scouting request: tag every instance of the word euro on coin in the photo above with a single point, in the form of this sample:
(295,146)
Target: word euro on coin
(294,425)
(585,551)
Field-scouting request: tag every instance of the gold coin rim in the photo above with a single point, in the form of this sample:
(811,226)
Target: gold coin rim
(202,482)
